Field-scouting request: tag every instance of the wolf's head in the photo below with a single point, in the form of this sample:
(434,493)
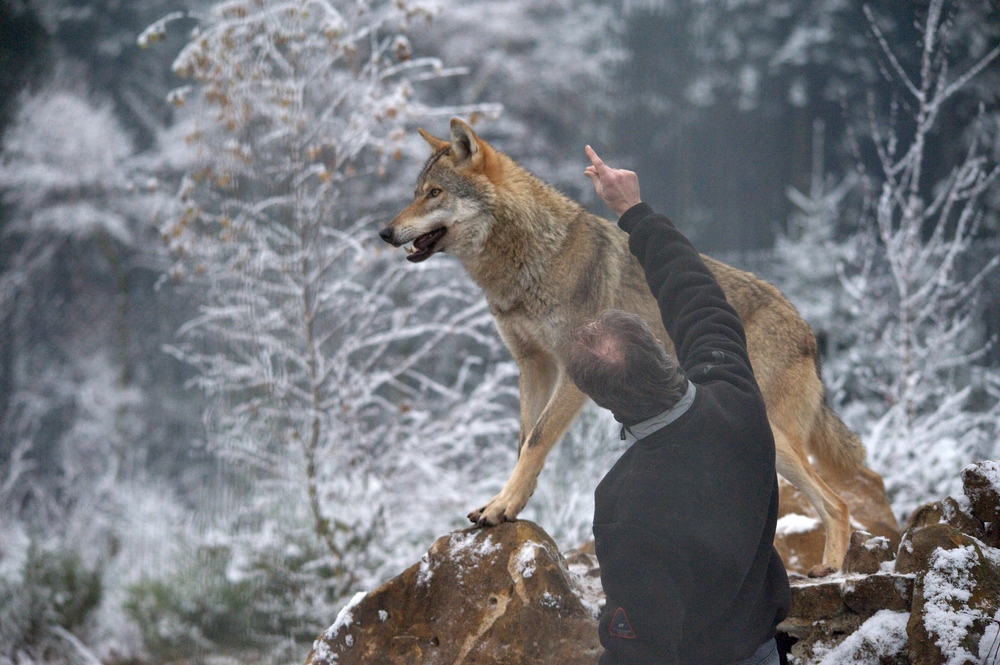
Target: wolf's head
(451,206)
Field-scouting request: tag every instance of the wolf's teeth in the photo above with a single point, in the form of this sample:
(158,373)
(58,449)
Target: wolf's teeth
(409,248)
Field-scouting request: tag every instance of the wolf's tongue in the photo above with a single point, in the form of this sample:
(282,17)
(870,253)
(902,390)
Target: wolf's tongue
(425,240)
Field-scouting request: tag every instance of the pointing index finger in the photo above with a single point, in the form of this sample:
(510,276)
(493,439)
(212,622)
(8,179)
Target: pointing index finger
(594,159)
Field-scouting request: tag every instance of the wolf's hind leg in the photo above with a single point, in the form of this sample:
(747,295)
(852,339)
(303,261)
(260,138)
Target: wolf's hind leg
(794,466)
(555,419)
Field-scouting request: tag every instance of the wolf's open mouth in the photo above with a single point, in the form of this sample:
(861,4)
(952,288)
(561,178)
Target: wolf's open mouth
(423,246)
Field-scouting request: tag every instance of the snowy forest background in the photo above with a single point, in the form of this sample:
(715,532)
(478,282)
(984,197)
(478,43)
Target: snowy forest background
(225,405)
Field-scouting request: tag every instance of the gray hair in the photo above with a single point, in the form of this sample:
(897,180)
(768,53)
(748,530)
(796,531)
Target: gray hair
(618,362)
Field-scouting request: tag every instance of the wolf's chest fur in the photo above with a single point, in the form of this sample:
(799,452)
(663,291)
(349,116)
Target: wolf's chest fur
(544,274)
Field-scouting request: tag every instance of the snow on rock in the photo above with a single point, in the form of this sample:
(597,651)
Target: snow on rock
(989,646)
(585,572)
(938,603)
(981,484)
(525,559)
(505,594)
(500,594)
(954,602)
(344,617)
(322,651)
(425,572)
(867,553)
(795,523)
(880,637)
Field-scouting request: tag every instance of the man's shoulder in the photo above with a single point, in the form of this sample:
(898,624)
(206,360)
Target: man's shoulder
(722,396)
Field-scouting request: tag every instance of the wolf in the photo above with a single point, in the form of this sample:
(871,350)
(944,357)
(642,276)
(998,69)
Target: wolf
(546,265)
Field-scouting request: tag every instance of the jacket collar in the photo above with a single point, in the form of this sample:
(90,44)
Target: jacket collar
(633,433)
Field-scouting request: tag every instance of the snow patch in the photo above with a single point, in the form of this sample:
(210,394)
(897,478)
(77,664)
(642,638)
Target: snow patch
(344,617)
(586,587)
(964,506)
(524,560)
(882,635)
(948,584)
(466,544)
(990,469)
(383,615)
(425,572)
(322,653)
(795,523)
(877,543)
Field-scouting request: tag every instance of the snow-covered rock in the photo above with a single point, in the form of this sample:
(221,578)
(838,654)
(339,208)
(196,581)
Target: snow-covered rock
(938,603)
(954,602)
(498,595)
(867,553)
(981,483)
(506,595)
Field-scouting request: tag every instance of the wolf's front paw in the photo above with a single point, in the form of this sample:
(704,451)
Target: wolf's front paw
(821,570)
(499,509)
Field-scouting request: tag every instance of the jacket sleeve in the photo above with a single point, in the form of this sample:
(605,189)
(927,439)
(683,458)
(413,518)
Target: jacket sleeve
(707,332)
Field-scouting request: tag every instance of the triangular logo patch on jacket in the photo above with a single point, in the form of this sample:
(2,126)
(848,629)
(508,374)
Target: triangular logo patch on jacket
(620,627)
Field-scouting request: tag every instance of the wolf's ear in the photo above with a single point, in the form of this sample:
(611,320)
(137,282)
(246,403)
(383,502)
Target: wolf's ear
(434,142)
(464,142)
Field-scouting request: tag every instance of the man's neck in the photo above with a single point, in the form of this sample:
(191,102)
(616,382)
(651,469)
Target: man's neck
(632,431)
(631,420)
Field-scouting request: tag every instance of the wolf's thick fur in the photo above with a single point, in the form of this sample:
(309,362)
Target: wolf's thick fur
(546,265)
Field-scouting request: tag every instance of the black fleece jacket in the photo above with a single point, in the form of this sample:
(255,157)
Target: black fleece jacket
(684,521)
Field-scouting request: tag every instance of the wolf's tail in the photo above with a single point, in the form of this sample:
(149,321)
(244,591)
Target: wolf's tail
(835,446)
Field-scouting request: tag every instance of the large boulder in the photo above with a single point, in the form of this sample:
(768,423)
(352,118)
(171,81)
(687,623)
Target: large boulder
(500,595)
(800,537)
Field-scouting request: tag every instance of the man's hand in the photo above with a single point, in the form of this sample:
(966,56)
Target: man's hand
(618,188)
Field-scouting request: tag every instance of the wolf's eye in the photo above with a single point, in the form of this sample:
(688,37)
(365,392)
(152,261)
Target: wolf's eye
(434,193)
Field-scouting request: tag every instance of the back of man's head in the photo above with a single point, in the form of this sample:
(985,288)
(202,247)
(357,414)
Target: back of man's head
(618,362)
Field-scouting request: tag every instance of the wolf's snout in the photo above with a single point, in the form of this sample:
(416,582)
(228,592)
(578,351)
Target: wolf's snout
(386,234)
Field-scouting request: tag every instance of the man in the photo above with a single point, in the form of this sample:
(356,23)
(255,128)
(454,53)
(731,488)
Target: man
(684,521)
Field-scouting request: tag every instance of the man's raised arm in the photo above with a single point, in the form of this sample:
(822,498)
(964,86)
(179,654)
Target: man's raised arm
(707,333)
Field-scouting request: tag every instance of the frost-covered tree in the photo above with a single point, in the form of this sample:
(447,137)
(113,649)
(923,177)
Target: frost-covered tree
(718,98)
(354,392)
(72,415)
(931,407)
(809,251)
(63,176)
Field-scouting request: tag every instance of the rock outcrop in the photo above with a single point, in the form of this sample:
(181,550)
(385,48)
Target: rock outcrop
(501,595)
(937,602)
(506,595)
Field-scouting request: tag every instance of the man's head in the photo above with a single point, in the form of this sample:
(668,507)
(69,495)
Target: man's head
(618,362)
